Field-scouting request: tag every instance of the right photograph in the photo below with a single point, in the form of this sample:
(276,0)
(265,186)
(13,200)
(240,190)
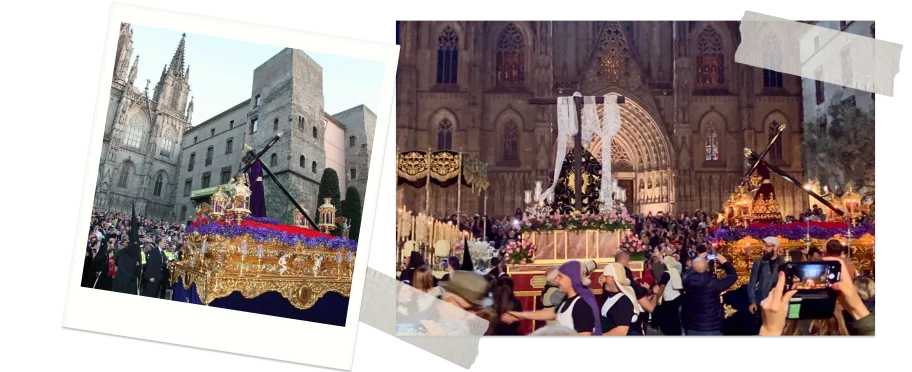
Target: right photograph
(630,178)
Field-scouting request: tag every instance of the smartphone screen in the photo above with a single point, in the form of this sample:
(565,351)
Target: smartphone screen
(810,276)
(711,257)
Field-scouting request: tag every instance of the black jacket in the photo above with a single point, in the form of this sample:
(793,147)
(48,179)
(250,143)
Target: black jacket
(154,264)
(703,307)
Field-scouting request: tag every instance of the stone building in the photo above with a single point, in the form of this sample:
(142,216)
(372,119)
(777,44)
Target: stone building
(819,95)
(690,109)
(359,122)
(140,156)
(287,97)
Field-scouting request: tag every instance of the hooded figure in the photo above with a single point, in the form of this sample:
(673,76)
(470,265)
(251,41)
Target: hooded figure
(127,261)
(620,311)
(572,270)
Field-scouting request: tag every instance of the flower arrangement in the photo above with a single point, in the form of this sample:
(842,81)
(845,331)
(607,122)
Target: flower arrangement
(576,221)
(263,230)
(519,252)
(633,245)
(792,231)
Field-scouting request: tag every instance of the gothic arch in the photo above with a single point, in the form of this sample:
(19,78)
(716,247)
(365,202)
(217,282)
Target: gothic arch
(509,123)
(438,28)
(712,120)
(491,51)
(162,188)
(125,174)
(136,130)
(728,49)
(777,117)
(648,142)
(438,117)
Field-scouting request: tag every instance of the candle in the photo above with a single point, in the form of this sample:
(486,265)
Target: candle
(551,198)
(203,248)
(339,257)
(244,247)
(538,189)
(528,197)
(260,251)
(349,256)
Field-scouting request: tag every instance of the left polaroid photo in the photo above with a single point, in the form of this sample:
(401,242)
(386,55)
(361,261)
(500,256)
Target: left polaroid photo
(230,176)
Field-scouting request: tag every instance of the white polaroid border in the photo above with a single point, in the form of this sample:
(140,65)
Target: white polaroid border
(209,327)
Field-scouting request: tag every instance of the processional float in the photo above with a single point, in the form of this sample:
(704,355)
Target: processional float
(232,251)
(422,232)
(752,213)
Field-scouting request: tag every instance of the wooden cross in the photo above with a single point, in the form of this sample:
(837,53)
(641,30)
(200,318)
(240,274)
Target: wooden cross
(578,140)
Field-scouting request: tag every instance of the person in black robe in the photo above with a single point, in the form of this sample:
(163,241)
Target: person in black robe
(127,261)
(99,264)
(87,275)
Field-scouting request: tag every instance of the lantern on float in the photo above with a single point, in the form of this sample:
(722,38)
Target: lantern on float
(299,219)
(851,201)
(241,198)
(742,205)
(219,204)
(327,216)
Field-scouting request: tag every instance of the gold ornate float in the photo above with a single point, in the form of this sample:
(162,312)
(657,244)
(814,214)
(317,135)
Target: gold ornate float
(301,275)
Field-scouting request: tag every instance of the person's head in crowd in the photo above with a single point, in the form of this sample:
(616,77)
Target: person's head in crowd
(834,248)
(770,247)
(570,282)
(796,255)
(505,281)
(469,291)
(658,267)
(700,264)
(833,326)
(688,263)
(622,257)
(701,249)
(503,298)
(452,263)
(865,288)
(551,275)
(814,254)
(614,279)
(554,330)
(511,234)
(423,279)
(416,260)
(495,263)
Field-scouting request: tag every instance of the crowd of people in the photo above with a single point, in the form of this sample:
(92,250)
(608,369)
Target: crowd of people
(112,263)
(678,293)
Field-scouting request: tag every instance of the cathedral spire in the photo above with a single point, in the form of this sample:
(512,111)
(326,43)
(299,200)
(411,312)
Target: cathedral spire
(177,62)
(187,74)
(189,115)
(133,71)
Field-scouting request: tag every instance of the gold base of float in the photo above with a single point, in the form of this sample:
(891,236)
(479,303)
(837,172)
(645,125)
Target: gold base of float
(301,275)
(742,253)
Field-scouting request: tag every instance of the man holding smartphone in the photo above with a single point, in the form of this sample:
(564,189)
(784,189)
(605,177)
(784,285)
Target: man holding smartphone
(764,273)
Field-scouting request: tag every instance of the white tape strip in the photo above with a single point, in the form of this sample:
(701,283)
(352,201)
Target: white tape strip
(818,53)
(421,319)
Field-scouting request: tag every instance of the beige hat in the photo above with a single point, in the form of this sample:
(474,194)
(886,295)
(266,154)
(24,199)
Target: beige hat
(469,285)
(771,240)
(585,269)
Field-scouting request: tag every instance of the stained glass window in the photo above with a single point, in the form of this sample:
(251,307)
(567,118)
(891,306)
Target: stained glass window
(167,143)
(510,56)
(510,141)
(772,79)
(125,173)
(445,135)
(710,59)
(135,131)
(712,142)
(447,56)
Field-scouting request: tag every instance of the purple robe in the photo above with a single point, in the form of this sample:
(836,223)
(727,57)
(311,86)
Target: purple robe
(257,192)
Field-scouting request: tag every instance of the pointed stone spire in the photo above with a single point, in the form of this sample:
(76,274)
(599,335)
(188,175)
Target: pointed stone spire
(187,74)
(177,62)
(133,71)
(189,115)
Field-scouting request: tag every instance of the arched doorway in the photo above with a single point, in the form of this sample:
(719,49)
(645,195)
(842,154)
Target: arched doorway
(641,159)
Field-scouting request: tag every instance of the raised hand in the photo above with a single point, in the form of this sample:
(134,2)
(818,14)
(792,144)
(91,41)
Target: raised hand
(775,308)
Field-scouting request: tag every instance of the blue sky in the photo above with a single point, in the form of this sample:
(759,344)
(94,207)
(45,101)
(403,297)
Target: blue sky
(221,71)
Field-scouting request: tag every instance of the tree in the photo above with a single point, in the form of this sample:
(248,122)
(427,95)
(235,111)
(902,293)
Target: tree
(278,207)
(329,188)
(839,148)
(352,211)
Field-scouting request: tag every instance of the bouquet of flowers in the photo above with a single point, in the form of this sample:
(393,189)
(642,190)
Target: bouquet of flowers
(518,252)
(632,244)
(576,221)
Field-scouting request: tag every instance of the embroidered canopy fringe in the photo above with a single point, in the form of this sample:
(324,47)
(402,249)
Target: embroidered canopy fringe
(567,127)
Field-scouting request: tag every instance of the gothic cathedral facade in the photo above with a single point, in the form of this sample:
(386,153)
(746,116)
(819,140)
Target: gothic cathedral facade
(690,109)
(140,153)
